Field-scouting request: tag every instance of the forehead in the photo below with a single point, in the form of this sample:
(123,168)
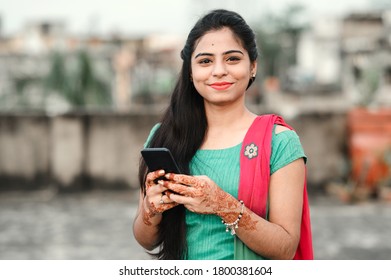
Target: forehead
(218,40)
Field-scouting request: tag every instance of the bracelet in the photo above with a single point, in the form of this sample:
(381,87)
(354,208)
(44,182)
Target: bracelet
(232,226)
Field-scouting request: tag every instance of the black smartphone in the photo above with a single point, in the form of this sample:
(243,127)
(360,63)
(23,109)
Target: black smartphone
(160,158)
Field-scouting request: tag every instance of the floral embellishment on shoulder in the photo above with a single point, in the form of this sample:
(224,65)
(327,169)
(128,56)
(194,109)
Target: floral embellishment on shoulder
(251,151)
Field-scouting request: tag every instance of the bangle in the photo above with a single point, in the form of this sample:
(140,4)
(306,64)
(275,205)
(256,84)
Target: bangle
(232,226)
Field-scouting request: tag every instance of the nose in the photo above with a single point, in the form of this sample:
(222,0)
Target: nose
(219,69)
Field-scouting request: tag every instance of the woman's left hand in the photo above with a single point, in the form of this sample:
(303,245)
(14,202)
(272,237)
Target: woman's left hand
(200,194)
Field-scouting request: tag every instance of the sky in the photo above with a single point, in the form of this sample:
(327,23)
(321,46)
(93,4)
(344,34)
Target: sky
(135,17)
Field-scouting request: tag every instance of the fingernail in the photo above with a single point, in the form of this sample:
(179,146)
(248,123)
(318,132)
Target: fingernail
(160,182)
(161,172)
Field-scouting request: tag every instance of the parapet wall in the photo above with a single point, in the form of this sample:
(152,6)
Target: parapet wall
(77,151)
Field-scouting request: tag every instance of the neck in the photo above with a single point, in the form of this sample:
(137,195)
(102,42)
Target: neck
(223,116)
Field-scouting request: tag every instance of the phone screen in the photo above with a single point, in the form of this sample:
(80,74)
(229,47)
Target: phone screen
(160,158)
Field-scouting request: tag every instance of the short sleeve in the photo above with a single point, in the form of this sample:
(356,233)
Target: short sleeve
(286,148)
(151,133)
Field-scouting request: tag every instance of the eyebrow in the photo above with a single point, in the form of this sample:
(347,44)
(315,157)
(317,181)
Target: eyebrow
(224,53)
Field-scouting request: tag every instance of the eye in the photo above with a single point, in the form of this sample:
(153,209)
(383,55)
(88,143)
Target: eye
(204,61)
(233,58)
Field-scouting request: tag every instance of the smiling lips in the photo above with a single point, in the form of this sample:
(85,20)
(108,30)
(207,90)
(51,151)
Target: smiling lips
(221,85)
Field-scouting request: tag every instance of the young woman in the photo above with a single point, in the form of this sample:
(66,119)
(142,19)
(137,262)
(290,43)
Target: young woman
(204,127)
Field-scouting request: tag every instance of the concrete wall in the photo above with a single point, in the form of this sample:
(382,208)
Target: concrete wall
(324,138)
(101,150)
(24,150)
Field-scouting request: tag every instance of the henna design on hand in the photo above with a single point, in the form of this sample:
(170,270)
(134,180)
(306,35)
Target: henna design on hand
(208,197)
(149,214)
(246,222)
(154,210)
(151,177)
(152,193)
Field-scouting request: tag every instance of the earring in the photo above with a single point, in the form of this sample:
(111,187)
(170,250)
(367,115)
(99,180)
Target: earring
(252,79)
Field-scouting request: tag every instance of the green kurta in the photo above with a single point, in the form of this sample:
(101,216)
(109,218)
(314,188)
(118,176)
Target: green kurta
(206,235)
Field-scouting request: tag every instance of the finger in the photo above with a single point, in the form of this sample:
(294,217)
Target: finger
(169,206)
(156,202)
(160,208)
(152,176)
(180,199)
(168,193)
(165,199)
(182,179)
(155,190)
(150,180)
(177,188)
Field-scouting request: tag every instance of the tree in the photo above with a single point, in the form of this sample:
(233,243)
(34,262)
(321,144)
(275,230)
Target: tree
(80,87)
(278,37)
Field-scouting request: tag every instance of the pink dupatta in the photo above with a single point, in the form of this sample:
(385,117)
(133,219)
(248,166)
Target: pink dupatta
(255,178)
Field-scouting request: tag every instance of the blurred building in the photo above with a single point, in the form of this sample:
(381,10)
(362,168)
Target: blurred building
(23,60)
(136,69)
(318,57)
(351,56)
(366,55)
(347,56)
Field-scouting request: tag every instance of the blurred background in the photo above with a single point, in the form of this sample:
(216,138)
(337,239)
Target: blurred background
(83,82)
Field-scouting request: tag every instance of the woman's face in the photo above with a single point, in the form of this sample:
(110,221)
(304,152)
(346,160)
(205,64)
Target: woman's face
(221,67)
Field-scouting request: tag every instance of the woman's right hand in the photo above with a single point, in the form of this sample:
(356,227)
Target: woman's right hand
(156,201)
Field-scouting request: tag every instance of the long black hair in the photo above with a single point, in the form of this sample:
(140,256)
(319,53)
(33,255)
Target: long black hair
(184,124)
